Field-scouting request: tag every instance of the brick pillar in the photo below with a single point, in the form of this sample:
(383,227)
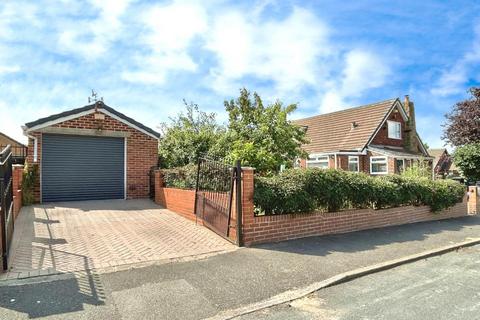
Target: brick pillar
(247,203)
(473,201)
(17,177)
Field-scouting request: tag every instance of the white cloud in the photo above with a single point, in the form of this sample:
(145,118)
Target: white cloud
(9,69)
(91,38)
(10,123)
(172,28)
(362,71)
(453,80)
(286,51)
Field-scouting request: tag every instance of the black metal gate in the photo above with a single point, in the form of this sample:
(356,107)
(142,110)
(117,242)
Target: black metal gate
(6,202)
(214,195)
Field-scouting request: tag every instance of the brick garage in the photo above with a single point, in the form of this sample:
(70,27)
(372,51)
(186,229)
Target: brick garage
(86,127)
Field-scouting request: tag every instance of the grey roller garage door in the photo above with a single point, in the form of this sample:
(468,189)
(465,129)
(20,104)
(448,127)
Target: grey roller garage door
(82,168)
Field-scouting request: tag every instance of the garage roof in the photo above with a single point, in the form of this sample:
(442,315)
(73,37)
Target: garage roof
(59,117)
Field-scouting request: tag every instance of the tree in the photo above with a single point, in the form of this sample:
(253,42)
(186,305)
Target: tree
(262,136)
(467,158)
(190,135)
(463,123)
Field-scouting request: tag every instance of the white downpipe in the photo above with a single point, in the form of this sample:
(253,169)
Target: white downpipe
(35,147)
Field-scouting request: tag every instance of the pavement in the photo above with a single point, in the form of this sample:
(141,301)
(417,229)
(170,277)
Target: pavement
(203,288)
(78,236)
(442,287)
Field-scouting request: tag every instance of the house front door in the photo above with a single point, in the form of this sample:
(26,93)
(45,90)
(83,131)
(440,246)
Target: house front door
(399,166)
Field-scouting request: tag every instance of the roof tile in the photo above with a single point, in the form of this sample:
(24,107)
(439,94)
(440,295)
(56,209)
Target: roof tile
(333,131)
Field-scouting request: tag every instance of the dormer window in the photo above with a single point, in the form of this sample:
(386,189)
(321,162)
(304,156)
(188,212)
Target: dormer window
(394,129)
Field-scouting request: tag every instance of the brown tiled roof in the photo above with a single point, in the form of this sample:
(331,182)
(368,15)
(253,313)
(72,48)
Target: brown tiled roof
(11,139)
(333,131)
(436,153)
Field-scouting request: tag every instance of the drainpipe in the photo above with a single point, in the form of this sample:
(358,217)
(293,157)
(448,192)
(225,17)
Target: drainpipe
(35,144)
(336,165)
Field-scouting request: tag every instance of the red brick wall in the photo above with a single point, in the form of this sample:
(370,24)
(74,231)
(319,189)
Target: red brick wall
(382,136)
(177,200)
(292,226)
(17,189)
(182,202)
(142,151)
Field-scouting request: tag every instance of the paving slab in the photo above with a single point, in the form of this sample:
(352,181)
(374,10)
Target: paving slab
(76,236)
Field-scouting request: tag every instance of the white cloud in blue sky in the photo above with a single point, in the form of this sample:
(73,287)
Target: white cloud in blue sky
(144,57)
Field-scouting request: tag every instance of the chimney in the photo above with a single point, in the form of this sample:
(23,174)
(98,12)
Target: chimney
(411,142)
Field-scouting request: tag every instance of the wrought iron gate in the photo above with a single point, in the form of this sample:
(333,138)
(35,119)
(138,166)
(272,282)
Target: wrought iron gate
(214,195)
(6,202)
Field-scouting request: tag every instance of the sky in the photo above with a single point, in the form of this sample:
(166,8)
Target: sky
(145,57)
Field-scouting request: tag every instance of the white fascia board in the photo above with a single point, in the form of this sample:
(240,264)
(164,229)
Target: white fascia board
(126,122)
(59,120)
(84,113)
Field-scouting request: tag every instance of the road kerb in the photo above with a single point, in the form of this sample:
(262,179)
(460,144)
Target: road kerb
(338,279)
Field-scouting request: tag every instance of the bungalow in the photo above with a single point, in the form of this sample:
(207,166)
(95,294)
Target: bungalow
(377,139)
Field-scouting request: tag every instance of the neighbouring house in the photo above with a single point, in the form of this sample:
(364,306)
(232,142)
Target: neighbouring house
(441,163)
(378,139)
(92,152)
(19,150)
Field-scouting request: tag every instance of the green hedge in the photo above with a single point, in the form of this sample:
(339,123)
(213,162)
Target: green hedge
(332,190)
(182,178)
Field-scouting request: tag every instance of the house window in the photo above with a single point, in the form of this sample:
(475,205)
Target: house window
(353,163)
(394,130)
(378,165)
(317,161)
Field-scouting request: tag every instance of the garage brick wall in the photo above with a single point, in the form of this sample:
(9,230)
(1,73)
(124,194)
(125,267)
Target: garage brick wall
(142,151)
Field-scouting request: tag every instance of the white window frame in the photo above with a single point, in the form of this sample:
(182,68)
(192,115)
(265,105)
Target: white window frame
(357,161)
(396,130)
(317,161)
(379,157)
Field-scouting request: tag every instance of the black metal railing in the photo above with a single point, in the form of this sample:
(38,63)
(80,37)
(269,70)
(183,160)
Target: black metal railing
(19,153)
(6,201)
(215,185)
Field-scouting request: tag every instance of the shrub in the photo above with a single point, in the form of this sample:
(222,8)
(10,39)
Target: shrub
(284,193)
(314,189)
(30,179)
(182,178)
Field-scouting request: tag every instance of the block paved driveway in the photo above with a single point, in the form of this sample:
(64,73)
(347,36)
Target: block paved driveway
(77,236)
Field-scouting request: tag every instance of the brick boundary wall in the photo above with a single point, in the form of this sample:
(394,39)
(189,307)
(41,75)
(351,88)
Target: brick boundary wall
(182,202)
(177,200)
(17,189)
(275,228)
